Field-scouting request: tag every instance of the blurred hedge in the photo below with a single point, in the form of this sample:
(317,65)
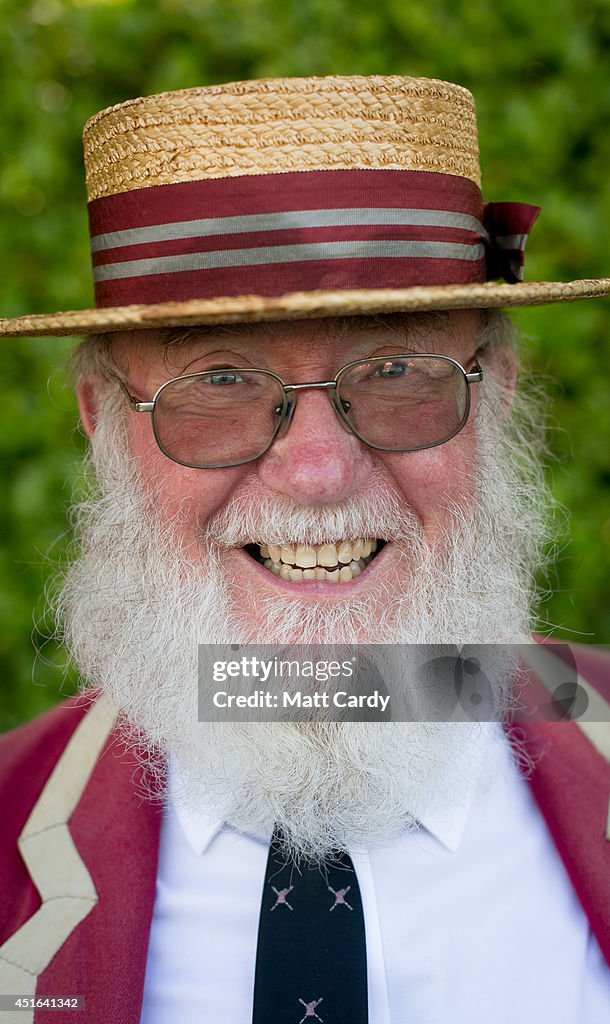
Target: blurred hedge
(540,76)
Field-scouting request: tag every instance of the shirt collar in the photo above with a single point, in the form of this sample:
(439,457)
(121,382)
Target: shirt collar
(200,827)
(445,822)
(200,824)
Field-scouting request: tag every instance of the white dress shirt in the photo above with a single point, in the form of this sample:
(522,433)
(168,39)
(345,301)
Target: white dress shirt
(469,920)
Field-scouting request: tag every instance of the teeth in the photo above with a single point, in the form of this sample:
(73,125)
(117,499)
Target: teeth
(333,563)
(287,554)
(327,555)
(345,574)
(344,553)
(305,556)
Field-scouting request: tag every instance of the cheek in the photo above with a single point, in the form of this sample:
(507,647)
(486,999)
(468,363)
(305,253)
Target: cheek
(432,479)
(189,496)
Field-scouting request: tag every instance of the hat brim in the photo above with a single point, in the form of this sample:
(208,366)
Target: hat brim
(302,306)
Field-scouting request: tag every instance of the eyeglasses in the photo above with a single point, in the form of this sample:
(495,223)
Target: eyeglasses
(232,415)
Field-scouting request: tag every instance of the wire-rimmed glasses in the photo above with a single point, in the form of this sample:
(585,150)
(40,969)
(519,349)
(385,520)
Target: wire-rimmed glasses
(230,416)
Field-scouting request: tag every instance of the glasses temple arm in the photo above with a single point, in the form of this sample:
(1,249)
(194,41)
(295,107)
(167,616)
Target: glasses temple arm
(136,405)
(475,376)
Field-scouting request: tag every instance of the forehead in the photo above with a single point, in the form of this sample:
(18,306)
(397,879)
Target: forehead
(332,340)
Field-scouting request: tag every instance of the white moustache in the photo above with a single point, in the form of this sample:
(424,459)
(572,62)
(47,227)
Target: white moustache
(254,515)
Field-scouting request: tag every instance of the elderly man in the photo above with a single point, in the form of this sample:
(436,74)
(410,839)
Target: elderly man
(302,405)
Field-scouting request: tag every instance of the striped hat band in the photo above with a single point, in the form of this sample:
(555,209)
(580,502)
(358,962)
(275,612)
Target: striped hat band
(301,231)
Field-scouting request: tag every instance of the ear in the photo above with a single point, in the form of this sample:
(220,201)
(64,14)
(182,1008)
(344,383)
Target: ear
(502,362)
(89,401)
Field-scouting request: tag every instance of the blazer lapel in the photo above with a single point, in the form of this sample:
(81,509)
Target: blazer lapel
(117,827)
(91,848)
(571,783)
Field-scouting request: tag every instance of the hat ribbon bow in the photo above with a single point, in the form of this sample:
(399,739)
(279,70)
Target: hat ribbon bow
(508,226)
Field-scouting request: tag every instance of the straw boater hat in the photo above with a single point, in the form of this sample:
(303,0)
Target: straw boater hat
(294,198)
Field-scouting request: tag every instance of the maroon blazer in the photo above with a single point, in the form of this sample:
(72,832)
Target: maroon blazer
(80,839)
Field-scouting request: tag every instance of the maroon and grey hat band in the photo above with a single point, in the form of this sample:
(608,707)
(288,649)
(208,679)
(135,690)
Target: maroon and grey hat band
(300,231)
(508,226)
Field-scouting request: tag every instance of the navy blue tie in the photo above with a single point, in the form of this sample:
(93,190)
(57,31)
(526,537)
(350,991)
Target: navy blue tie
(311,954)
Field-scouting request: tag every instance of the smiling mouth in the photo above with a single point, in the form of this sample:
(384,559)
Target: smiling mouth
(337,562)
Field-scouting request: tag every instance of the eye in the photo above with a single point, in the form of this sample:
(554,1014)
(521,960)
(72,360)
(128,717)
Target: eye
(392,368)
(224,377)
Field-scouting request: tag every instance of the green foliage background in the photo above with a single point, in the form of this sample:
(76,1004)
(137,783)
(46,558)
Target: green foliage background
(540,74)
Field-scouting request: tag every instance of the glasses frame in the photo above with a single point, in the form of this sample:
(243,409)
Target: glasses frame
(286,410)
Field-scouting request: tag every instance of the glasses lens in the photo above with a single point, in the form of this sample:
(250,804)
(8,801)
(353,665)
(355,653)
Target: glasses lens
(401,403)
(220,418)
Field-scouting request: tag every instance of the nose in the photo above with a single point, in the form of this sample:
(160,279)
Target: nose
(317,461)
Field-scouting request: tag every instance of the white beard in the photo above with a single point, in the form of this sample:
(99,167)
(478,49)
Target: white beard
(135,606)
